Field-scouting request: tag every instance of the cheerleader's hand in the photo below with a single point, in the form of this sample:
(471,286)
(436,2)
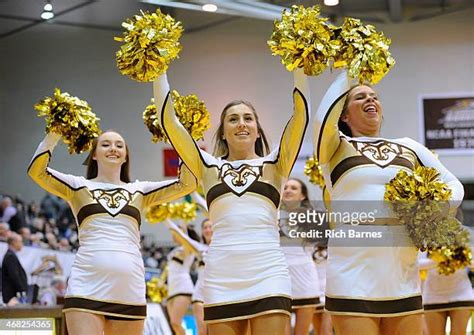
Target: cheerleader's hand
(52,138)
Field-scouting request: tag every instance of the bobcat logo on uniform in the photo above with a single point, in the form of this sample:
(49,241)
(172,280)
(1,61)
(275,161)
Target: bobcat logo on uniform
(239,180)
(113,201)
(381,153)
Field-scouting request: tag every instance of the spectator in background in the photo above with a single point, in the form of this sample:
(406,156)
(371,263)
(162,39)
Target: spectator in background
(9,214)
(32,212)
(50,206)
(38,224)
(64,245)
(51,295)
(25,233)
(14,278)
(5,231)
(63,225)
(37,240)
(52,241)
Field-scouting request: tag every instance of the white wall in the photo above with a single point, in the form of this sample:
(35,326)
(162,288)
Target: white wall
(227,62)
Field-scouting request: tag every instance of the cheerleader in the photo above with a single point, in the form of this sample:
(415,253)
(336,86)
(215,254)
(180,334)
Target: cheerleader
(304,278)
(322,324)
(105,296)
(199,250)
(246,280)
(180,284)
(197,298)
(446,296)
(370,290)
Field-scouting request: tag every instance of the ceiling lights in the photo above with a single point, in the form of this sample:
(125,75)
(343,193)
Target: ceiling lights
(47,13)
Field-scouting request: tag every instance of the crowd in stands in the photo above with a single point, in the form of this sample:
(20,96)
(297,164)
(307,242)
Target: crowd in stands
(51,225)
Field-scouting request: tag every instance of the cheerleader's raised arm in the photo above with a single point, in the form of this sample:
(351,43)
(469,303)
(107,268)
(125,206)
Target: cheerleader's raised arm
(57,183)
(292,138)
(65,185)
(179,137)
(325,124)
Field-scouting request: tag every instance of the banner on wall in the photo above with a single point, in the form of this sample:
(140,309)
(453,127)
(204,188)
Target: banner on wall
(447,123)
(171,162)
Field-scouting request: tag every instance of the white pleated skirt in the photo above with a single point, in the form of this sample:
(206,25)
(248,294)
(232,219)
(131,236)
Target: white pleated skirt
(241,284)
(107,282)
(374,281)
(305,290)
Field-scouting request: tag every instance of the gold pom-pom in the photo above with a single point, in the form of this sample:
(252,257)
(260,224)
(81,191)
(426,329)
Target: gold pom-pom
(364,51)
(158,213)
(156,288)
(449,260)
(314,172)
(150,117)
(71,118)
(303,39)
(191,112)
(420,200)
(186,211)
(150,43)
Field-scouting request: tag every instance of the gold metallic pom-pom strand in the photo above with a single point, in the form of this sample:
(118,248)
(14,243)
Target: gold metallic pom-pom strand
(313,170)
(149,44)
(420,200)
(191,112)
(363,51)
(70,117)
(303,39)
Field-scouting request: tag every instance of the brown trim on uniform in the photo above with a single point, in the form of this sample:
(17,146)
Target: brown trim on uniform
(130,311)
(325,120)
(177,260)
(49,173)
(319,309)
(92,209)
(374,307)
(350,162)
(197,301)
(306,302)
(449,305)
(247,308)
(306,108)
(264,189)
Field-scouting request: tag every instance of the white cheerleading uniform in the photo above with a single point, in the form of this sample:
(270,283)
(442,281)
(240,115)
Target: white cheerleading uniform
(179,278)
(108,275)
(196,248)
(198,296)
(445,293)
(320,261)
(246,274)
(364,280)
(304,278)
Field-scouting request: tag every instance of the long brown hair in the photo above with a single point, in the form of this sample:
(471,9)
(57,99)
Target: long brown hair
(92,167)
(221,149)
(305,203)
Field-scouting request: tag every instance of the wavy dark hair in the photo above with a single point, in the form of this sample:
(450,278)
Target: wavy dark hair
(193,234)
(92,167)
(221,149)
